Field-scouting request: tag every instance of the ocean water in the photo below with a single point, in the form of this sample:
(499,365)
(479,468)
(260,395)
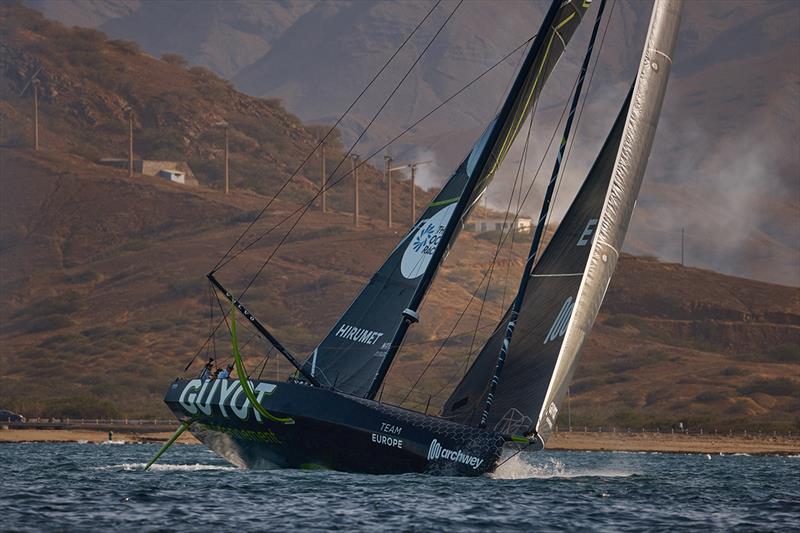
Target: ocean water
(95,487)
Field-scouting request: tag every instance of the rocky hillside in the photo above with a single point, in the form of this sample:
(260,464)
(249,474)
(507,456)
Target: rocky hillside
(103,299)
(104,302)
(724,165)
(88,83)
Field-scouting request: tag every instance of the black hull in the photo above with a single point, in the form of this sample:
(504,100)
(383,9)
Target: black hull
(310,427)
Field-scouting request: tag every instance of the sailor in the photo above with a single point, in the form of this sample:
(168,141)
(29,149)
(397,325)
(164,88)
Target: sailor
(206,373)
(226,372)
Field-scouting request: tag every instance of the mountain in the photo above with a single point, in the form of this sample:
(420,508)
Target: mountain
(103,306)
(724,166)
(103,300)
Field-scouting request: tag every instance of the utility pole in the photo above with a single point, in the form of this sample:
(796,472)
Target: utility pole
(35,83)
(130,142)
(354,165)
(226,156)
(413,166)
(227,176)
(413,194)
(683,246)
(388,160)
(569,410)
(324,179)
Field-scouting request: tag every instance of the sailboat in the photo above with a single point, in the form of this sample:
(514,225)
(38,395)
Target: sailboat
(326,415)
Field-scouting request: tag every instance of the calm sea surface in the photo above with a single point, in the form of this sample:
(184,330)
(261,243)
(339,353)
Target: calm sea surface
(91,487)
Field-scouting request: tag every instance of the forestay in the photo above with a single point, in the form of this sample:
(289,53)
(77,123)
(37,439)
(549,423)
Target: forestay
(356,354)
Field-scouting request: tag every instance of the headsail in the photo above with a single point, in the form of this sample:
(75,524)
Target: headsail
(355,355)
(570,280)
(552,287)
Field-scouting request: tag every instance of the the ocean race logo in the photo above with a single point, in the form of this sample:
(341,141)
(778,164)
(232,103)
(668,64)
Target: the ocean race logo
(424,242)
(436,451)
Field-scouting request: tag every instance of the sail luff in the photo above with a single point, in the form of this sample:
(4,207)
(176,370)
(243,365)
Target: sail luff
(537,237)
(627,175)
(504,130)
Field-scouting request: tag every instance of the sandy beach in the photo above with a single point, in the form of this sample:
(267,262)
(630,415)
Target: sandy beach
(644,442)
(88,435)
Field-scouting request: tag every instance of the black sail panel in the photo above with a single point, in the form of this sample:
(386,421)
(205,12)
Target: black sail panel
(355,354)
(545,312)
(466,402)
(350,355)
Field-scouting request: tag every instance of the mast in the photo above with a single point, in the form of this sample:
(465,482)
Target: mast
(540,225)
(486,157)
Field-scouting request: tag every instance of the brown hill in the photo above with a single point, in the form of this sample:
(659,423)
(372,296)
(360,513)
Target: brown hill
(101,276)
(104,302)
(88,82)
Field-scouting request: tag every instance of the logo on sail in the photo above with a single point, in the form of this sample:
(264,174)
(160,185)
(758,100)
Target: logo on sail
(559,327)
(424,242)
(356,334)
(436,451)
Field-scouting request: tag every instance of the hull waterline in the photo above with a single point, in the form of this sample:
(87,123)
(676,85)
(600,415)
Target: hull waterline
(309,427)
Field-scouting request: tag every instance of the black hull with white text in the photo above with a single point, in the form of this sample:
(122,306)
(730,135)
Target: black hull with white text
(315,428)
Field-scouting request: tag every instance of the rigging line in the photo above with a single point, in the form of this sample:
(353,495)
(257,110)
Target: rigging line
(330,131)
(511,250)
(212,330)
(516,216)
(366,128)
(294,225)
(504,94)
(266,360)
(500,239)
(580,111)
(513,234)
(507,459)
(331,185)
(364,161)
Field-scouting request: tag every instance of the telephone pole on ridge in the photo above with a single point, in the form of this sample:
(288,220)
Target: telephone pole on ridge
(35,84)
(324,179)
(130,142)
(354,166)
(389,169)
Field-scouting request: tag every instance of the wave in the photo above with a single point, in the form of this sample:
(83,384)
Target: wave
(197,467)
(517,467)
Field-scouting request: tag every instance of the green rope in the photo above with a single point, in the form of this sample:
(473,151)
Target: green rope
(248,390)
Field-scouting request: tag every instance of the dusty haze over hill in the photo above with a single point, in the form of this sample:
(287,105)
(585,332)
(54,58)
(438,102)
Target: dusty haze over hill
(725,161)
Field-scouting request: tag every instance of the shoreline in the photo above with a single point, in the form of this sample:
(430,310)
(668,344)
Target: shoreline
(561,441)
